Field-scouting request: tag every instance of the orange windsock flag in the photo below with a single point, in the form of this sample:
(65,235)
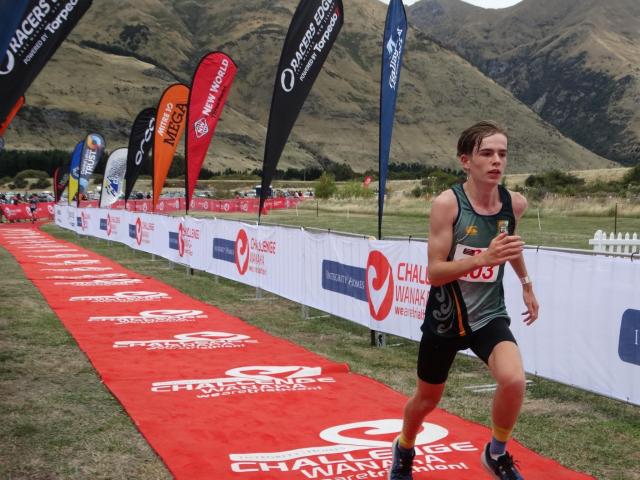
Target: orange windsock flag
(170,121)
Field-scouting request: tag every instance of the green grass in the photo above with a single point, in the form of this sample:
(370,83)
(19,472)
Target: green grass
(59,421)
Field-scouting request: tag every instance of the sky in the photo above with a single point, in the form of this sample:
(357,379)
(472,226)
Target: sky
(478,3)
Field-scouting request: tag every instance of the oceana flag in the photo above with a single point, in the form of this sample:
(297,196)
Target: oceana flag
(171,118)
(43,27)
(395,31)
(92,152)
(313,29)
(209,90)
(74,172)
(140,143)
(113,180)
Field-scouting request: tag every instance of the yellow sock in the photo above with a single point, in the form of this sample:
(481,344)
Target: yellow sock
(404,442)
(502,434)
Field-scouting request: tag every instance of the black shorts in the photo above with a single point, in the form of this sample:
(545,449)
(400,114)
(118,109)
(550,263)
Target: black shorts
(436,354)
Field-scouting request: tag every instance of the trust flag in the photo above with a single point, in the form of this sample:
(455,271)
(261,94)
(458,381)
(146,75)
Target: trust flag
(140,143)
(42,28)
(395,31)
(171,118)
(314,27)
(113,180)
(209,90)
(92,152)
(74,172)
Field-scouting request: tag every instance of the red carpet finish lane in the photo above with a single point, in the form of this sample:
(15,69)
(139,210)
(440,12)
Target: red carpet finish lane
(219,399)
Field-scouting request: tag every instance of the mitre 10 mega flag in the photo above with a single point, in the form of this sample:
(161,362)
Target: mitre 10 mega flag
(209,90)
(314,28)
(74,172)
(42,28)
(171,118)
(113,180)
(140,143)
(395,31)
(92,152)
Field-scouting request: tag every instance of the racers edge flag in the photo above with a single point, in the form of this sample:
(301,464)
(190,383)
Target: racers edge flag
(314,27)
(11,12)
(60,181)
(92,152)
(113,179)
(74,172)
(395,31)
(209,90)
(43,27)
(140,143)
(170,121)
(12,113)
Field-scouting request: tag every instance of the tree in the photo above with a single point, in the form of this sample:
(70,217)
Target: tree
(325,187)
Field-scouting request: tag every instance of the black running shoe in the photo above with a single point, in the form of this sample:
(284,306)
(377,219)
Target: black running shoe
(401,468)
(504,468)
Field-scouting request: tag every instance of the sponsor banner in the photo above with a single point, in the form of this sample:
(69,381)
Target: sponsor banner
(314,27)
(43,27)
(74,173)
(113,180)
(230,252)
(146,232)
(170,121)
(113,225)
(395,31)
(92,152)
(140,143)
(60,181)
(209,90)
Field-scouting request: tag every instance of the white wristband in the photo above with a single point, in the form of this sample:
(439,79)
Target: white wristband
(525,280)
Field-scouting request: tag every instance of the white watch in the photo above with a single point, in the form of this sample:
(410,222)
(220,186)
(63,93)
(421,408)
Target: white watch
(525,280)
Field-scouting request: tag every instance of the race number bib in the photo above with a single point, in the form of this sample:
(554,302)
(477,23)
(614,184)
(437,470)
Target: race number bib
(481,274)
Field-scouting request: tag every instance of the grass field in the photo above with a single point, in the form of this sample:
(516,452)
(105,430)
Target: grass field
(59,421)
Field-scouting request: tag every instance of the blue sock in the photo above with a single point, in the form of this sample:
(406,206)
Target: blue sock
(497,448)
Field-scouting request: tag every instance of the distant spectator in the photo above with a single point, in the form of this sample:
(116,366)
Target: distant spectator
(33,206)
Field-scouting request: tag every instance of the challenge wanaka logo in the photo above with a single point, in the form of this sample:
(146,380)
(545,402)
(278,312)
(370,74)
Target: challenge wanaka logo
(242,252)
(250,380)
(141,231)
(78,269)
(71,262)
(154,316)
(184,239)
(124,297)
(379,285)
(191,341)
(116,282)
(61,255)
(360,450)
(83,277)
(107,224)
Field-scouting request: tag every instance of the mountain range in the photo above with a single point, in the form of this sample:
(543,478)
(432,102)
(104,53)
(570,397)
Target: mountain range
(124,53)
(575,62)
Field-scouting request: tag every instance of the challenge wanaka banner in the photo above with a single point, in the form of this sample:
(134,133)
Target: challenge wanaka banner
(209,90)
(140,143)
(11,12)
(395,31)
(74,172)
(170,122)
(14,111)
(92,152)
(113,180)
(314,28)
(43,27)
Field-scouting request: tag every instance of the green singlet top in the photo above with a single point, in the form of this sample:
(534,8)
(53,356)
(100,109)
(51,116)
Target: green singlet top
(470,302)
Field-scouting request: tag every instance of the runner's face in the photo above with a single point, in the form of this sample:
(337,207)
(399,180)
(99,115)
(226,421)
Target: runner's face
(487,162)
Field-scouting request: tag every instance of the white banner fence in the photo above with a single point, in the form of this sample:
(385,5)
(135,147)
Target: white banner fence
(587,336)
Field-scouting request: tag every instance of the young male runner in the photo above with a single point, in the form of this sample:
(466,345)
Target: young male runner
(471,237)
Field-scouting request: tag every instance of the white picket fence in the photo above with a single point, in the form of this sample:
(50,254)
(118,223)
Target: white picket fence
(615,244)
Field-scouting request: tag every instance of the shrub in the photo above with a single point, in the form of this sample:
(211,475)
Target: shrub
(41,184)
(325,187)
(355,190)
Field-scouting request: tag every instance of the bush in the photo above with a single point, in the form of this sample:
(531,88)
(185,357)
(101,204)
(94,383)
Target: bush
(325,187)
(41,184)
(32,174)
(18,183)
(355,190)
